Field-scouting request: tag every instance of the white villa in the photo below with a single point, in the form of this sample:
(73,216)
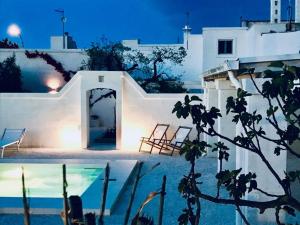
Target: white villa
(210,57)
(214,61)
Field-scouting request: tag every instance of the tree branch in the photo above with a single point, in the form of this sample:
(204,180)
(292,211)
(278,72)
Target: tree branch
(107,95)
(268,194)
(277,216)
(284,200)
(275,122)
(242,215)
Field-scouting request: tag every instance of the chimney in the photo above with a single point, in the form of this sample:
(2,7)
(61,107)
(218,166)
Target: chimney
(186,36)
(275,11)
(297,11)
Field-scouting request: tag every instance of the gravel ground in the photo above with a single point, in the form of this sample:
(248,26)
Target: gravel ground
(173,167)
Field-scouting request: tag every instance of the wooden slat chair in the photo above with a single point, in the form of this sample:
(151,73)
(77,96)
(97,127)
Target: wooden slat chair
(157,136)
(177,142)
(11,137)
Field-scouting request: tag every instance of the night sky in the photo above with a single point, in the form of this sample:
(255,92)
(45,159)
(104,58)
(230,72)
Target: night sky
(152,21)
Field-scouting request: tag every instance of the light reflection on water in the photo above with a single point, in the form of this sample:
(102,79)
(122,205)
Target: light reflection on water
(45,180)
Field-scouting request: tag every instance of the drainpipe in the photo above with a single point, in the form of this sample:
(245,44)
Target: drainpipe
(236,83)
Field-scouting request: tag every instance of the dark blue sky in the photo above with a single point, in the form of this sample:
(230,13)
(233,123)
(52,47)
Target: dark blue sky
(153,21)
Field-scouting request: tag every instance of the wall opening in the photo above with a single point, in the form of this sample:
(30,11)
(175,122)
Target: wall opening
(102,119)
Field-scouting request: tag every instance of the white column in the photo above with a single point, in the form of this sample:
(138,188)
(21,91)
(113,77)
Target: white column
(211,99)
(225,125)
(297,11)
(275,11)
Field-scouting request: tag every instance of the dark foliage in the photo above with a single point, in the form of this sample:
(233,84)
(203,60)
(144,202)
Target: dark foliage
(10,76)
(5,43)
(150,70)
(281,93)
(107,57)
(51,61)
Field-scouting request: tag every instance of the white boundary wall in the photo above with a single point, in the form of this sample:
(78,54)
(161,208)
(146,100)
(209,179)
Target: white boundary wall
(61,120)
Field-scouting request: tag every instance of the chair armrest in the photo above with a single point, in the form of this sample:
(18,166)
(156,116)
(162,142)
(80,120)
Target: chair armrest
(164,141)
(176,144)
(144,138)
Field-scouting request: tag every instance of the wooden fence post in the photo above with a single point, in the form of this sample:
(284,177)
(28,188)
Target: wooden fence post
(104,194)
(25,203)
(162,200)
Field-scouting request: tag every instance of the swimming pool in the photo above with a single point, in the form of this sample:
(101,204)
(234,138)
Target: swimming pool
(45,180)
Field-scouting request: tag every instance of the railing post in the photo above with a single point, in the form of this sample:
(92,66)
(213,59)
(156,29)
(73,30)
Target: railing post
(104,194)
(162,200)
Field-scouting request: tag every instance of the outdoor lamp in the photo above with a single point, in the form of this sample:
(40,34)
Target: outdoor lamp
(15,31)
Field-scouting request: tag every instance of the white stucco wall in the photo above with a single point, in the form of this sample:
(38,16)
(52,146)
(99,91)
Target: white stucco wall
(50,120)
(193,63)
(259,39)
(211,36)
(62,120)
(278,44)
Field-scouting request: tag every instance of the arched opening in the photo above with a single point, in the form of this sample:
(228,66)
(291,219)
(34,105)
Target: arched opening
(102,119)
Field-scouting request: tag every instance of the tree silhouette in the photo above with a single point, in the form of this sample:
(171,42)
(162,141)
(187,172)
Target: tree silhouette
(10,76)
(5,43)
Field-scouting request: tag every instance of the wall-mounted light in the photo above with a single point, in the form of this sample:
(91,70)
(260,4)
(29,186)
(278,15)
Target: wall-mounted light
(53,84)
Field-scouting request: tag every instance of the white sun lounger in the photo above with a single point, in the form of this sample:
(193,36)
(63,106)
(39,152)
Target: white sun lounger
(11,137)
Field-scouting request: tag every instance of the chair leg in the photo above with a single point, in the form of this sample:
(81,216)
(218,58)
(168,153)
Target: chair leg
(173,151)
(160,149)
(141,150)
(151,149)
(141,146)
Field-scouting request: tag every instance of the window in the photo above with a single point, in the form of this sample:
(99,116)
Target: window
(225,47)
(276,21)
(276,11)
(276,3)
(101,79)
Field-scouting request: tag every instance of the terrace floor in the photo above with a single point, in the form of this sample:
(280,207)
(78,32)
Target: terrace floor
(173,167)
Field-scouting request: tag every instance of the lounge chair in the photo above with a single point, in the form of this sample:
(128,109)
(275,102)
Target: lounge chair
(11,137)
(158,134)
(177,142)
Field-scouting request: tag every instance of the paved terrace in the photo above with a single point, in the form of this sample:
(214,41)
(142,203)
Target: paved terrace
(173,167)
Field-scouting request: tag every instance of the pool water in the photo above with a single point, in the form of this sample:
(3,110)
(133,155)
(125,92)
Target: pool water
(45,180)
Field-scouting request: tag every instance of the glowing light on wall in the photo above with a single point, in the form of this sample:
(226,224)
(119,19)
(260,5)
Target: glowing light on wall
(14,30)
(132,134)
(70,136)
(53,83)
